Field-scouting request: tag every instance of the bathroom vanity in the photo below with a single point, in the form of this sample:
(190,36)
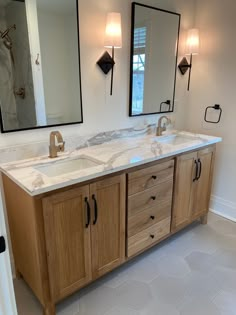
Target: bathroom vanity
(69,227)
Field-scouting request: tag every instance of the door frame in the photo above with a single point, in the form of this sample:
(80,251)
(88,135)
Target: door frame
(7,294)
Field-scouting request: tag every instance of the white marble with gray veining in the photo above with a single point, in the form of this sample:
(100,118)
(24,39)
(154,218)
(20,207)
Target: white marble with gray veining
(119,152)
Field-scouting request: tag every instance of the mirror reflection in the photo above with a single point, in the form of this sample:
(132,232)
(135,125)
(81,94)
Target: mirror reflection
(39,64)
(154,49)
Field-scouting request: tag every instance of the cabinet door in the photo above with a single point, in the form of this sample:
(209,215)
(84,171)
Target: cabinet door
(67,241)
(183,190)
(203,184)
(108,224)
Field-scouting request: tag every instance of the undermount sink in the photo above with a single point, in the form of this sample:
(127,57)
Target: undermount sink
(176,139)
(64,167)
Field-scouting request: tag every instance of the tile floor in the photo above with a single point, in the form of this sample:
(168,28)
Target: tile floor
(193,273)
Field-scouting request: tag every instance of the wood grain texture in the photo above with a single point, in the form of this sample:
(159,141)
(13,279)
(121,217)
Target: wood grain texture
(108,234)
(183,190)
(148,237)
(150,176)
(148,217)
(203,185)
(67,241)
(192,198)
(49,309)
(27,236)
(143,200)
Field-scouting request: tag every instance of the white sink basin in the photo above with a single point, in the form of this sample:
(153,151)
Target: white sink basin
(69,166)
(176,139)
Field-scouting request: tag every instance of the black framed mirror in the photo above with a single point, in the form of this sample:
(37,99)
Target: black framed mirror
(40,77)
(153,60)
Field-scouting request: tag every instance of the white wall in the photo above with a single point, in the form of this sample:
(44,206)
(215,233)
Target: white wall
(103,112)
(213,82)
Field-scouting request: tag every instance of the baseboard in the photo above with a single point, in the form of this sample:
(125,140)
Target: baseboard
(224,208)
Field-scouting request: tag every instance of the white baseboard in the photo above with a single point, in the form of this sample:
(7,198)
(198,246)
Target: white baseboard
(224,208)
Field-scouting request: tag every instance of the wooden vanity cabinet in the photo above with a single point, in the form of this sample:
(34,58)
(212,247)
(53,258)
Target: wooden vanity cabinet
(84,234)
(193,182)
(65,240)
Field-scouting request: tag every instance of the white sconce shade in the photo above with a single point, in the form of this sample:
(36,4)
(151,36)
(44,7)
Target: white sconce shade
(192,42)
(113,34)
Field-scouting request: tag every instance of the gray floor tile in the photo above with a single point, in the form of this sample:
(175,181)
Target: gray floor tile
(192,273)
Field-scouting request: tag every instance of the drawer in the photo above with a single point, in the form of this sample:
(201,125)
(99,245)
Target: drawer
(148,217)
(148,237)
(150,198)
(150,176)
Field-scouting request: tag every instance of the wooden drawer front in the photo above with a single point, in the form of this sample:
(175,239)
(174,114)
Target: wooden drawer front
(150,198)
(148,237)
(150,176)
(148,218)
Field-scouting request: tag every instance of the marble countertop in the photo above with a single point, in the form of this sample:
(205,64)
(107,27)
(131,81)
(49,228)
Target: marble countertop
(112,156)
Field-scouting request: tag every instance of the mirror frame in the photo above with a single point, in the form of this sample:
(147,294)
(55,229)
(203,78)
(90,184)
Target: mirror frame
(132,52)
(80,87)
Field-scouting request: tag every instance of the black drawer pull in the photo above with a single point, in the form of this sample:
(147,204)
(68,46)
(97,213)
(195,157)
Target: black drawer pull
(200,169)
(154,177)
(88,212)
(152,217)
(196,173)
(153,197)
(95,210)
(152,236)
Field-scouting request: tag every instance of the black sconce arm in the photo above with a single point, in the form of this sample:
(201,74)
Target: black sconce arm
(184,66)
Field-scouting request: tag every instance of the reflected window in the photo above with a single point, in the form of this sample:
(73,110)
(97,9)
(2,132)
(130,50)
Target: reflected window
(139,69)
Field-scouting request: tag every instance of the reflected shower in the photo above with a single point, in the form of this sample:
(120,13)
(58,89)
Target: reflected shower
(7,39)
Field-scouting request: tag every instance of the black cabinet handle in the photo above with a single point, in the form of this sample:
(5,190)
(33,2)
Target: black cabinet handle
(2,245)
(152,236)
(88,212)
(196,173)
(95,210)
(154,177)
(153,197)
(200,169)
(152,217)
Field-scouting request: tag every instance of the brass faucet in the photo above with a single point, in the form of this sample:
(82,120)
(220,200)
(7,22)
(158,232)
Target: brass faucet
(160,129)
(53,148)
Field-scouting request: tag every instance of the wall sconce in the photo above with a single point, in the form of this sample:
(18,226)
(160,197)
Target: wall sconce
(192,48)
(113,39)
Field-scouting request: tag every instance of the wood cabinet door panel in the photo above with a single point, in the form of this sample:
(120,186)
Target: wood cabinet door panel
(67,241)
(183,191)
(203,185)
(108,233)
